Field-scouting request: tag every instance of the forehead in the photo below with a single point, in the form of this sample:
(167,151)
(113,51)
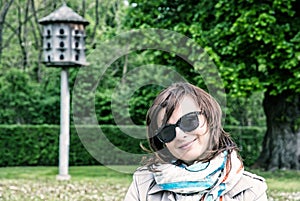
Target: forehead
(186,105)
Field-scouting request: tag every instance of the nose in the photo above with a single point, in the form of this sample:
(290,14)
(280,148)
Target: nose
(180,134)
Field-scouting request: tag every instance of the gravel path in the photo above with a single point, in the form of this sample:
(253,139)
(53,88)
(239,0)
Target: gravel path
(280,196)
(94,190)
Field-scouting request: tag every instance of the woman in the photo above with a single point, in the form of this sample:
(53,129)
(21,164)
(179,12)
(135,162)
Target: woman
(193,158)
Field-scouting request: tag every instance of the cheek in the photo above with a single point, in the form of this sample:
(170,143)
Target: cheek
(170,146)
(203,136)
(175,152)
(204,139)
(202,130)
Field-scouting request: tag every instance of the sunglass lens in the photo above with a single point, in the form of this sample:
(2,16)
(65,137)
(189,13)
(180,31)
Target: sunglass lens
(189,122)
(167,134)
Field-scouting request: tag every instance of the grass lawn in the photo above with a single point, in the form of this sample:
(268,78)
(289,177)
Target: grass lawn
(91,183)
(39,183)
(283,185)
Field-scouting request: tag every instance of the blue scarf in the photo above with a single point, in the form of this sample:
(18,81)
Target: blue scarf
(208,180)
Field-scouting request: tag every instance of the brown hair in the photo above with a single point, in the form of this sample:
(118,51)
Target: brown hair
(168,101)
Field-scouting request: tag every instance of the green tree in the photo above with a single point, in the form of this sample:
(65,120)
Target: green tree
(256,46)
(34,97)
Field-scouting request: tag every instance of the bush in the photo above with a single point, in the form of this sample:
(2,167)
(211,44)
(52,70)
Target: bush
(249,139)
(35,145)
(32,145)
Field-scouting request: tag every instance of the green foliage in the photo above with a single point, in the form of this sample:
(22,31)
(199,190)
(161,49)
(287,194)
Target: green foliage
(141,99)
(38,145)
(242,111)
(255,44)
(28,145)
(19,97)
(24,101)
(249,140)
(30,92)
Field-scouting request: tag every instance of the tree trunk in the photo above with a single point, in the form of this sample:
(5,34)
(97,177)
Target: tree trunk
(281,145)
(3,13)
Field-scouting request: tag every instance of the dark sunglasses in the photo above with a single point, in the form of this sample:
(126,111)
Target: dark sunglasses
(186,123)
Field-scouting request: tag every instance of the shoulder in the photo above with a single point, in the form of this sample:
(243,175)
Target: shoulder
(142,179)
(143,176)
(255,181)
(143,186)
(250,186)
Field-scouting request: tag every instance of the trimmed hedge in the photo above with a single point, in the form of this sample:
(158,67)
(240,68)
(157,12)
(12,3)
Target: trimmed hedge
(31,145)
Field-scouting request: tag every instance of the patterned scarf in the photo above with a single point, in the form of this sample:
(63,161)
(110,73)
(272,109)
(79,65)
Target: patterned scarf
(201,181)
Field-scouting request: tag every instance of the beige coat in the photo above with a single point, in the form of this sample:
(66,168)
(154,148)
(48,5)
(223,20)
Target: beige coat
(143,188)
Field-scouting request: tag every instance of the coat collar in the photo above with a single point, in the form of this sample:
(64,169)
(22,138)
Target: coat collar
(243,184)
(154,188)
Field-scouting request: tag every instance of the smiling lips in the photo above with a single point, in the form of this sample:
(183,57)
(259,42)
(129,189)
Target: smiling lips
(187,145)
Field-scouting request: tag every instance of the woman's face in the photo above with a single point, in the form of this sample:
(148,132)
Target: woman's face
(188,146)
